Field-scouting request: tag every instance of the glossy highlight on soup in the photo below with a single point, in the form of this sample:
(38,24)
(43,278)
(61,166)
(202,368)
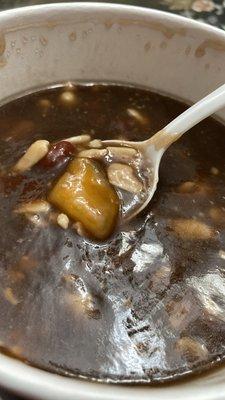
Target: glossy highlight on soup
(81,294)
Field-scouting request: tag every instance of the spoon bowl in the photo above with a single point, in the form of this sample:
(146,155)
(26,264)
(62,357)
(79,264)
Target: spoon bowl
(149,152)
(146,165)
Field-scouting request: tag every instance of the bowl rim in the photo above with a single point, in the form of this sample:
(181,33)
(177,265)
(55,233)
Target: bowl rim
(27,380)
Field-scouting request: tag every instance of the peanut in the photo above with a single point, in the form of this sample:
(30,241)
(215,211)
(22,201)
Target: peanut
(33,207)
(93,153)
(34,153)
(123,176)
(138,116)
(95,144)
(123,154)
(190,229)
(10,297)
(80,139)
(63,221)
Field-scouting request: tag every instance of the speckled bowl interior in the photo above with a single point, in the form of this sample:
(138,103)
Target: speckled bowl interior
(43,45)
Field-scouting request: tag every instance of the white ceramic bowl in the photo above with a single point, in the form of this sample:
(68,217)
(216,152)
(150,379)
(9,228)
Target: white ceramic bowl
(42,45)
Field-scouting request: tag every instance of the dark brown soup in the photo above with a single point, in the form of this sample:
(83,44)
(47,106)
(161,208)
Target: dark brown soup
(145,305)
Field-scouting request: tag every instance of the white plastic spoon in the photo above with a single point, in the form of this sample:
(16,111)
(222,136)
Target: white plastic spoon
(151,150)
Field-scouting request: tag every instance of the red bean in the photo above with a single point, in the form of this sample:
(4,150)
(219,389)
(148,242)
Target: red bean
(58,153)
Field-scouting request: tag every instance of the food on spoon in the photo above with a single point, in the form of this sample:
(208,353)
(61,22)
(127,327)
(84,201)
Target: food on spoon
(123,176)
(93,153)
(122,154)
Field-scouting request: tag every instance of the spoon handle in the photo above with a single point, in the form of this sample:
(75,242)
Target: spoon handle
(193,115)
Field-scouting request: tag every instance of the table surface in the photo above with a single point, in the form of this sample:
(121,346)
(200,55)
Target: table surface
(209,11)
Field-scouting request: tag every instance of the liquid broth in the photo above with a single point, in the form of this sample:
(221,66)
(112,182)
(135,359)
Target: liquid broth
(146,305)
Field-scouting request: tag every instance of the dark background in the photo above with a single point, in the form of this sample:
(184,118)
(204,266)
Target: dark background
(209,11)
